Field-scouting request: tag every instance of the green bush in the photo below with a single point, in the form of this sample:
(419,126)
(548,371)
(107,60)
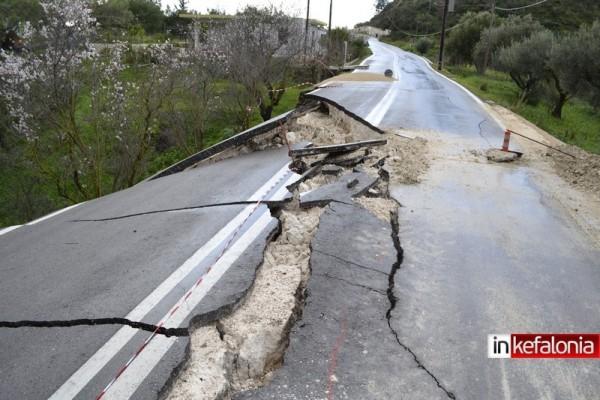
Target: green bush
(423,45)
(465,37)
(512,30)
(526,63)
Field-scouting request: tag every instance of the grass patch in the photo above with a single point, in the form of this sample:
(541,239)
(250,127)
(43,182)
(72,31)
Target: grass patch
(580,125)
(365,53)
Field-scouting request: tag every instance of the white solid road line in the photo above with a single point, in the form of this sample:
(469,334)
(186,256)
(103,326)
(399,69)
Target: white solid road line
(55,213)
(282,193)
(9,229)
(133,377)
(380,110)
(479,102)
(378,113)
(37,221)
(94,364)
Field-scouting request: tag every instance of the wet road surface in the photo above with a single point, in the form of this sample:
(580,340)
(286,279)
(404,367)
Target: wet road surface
(125,256)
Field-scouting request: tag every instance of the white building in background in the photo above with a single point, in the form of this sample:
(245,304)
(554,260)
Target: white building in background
(315,45)
(206,25)
(372,31)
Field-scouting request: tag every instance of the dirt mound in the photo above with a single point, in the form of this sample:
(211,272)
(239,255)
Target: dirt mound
(359,77)
(500,156)
(406,159)
(582,171)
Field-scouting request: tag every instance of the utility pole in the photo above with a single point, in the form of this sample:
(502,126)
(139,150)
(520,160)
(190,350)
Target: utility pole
(329,31)
(488,50)
(306,29)
(443,38)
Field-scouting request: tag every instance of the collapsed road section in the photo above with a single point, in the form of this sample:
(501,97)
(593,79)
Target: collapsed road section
(318,307)
(343,347)
(221,262)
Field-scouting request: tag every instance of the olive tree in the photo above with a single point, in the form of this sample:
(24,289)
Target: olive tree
(576,62)
(512,30)
(527,62)
(464,38)
(423,45)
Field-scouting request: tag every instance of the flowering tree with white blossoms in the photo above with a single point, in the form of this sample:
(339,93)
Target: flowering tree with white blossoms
(89,130)
(203,64)
(43,87)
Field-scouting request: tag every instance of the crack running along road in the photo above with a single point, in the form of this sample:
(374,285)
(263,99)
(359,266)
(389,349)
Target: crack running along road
(168,332)
(130,268)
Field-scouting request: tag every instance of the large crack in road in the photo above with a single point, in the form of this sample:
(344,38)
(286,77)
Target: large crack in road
(159,330)
(394,300)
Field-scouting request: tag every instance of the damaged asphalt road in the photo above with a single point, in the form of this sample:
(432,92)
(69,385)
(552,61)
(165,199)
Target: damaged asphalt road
(129,273)
(343,347)
(395,303)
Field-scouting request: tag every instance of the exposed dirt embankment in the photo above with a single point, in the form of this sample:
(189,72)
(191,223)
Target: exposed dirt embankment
(238,351)
(359,77)
(583,171)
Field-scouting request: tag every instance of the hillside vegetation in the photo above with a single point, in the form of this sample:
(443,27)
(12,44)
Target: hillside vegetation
(424,16)
(99,102)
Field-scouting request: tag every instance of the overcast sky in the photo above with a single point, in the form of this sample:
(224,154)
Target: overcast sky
(345,12)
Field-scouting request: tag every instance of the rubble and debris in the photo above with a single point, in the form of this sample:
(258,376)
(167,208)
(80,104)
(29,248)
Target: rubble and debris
(373,193)
(336,148)
(500,156)
(346,160)
(238,351)
(342,190)
(352,183)
(582,172)
(242,351)
(406,160)
(330,169)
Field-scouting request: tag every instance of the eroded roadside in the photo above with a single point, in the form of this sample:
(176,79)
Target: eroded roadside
(573,182)
(243,351)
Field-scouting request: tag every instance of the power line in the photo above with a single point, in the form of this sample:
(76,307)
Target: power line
(523,7)
(427,34)
(393,23)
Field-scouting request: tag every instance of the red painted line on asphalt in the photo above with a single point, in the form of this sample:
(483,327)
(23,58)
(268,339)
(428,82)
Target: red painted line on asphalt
(186,296)
(334,355)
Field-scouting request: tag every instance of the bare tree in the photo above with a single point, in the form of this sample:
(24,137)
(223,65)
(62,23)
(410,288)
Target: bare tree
(260,45)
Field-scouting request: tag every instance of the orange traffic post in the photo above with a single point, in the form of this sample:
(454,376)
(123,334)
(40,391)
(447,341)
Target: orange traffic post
(506,140)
